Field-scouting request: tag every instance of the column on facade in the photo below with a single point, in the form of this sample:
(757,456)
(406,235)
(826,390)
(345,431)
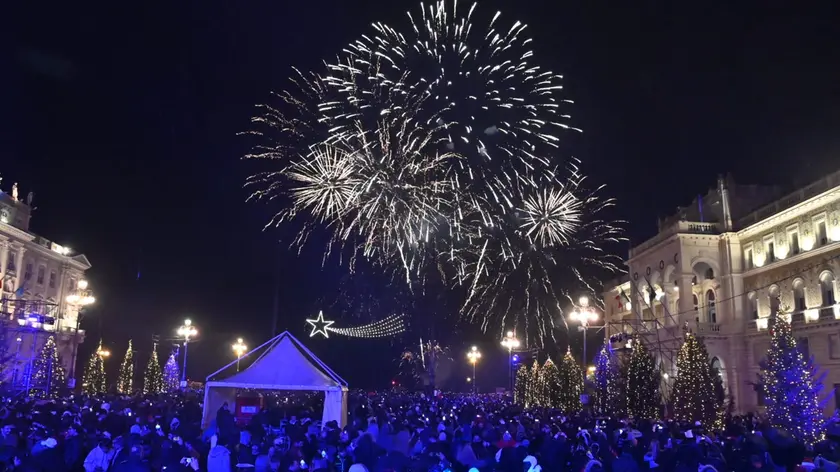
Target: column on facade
(686,302)
(4,260)
(669,311)
(60,298)
(19,269)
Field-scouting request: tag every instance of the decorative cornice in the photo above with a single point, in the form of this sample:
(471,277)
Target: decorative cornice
(15,232)
(778,264)
(790,213)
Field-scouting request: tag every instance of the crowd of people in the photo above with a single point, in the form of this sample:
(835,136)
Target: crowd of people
(385,432)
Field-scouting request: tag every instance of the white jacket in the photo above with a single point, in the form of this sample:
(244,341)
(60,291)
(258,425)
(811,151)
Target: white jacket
(98,458)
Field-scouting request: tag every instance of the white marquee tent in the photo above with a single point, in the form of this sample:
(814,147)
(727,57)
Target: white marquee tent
(284,364)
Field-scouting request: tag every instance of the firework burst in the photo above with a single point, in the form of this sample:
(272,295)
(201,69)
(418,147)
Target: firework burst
(528,264)
(436,146)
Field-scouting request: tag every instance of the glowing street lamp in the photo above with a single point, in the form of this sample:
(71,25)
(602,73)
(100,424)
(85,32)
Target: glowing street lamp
(103,353)
(585,316)
(510,342)
(186,331)
(474,356)
(239,348)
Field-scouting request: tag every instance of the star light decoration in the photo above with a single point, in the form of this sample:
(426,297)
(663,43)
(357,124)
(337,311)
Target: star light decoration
(388,326)
(324,325)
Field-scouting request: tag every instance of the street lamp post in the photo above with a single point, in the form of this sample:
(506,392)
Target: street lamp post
(239,348)
(187,331)
(585,315)
(474,356)
(103,353)
(80,298)
(511,343)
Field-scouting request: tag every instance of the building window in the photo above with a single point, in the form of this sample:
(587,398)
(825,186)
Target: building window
(834,346)
(822,239)
(804,347)
(27,273)
(827,289)
(753,305)
(793,240)
(52,279)
(41,272)
(770,248)
(798,295)
(709,275)
(759,397)
(710,307)
(748,259)
(10,265)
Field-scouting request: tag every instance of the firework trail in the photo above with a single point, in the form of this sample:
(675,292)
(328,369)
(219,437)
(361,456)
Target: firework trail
(434,148)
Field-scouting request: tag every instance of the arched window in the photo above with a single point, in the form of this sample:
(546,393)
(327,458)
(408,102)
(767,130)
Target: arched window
(710,274)
(827,288)
(711,312)
(798,295)
(773,296)
(717,369)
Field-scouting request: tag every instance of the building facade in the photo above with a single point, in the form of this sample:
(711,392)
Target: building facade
(37,278)
(720,266)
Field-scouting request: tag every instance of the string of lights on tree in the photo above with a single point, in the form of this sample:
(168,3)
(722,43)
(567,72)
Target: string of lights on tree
(153,377)
(48,374)
(171,374)
(520,388)
(642,383)
(571,379)
(609,398)
(389,326)
(125,380)
(694,389)
(93,380)
(791,387)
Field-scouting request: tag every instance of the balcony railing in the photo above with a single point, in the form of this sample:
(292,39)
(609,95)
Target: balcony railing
(679,227)
(706,328)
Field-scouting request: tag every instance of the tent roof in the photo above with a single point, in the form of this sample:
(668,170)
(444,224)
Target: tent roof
(286,364)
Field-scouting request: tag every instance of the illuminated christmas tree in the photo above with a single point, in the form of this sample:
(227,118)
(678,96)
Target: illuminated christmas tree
(520,386)
(47,373)
(694,389)
(609,384)
(153,377)
(571,384)
(125,380)
(171,374)
(550,383)
(93,380)
(532,396)
(790,386)
(643,397)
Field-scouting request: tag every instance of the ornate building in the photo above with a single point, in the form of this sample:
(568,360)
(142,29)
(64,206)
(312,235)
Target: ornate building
(718,268)
(39,293)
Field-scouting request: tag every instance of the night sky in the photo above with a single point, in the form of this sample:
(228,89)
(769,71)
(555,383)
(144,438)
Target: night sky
(123,119)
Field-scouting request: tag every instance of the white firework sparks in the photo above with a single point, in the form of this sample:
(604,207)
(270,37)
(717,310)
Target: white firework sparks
(437,145)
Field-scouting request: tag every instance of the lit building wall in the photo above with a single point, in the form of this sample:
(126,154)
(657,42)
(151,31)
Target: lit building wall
(721,277)
(36,276)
